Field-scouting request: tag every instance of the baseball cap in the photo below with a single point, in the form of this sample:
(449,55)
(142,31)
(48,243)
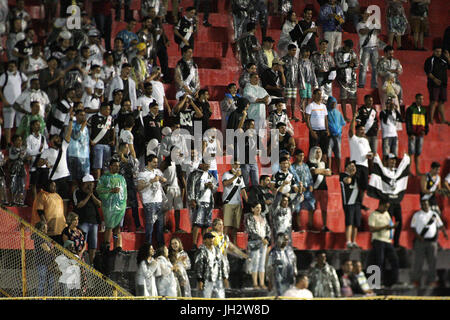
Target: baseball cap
(277,61)
(117,90)
(141,46)
(208,235)
(100,85)
(93,33)
(88,178)
(391,156)
(66,35)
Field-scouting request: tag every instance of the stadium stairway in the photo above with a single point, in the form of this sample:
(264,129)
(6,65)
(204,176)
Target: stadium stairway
(218,67)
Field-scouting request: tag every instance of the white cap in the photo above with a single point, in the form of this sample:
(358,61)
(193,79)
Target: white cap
(20,36)
(99,85)
(88,178)
(66,35)
(166,131)
(93,33)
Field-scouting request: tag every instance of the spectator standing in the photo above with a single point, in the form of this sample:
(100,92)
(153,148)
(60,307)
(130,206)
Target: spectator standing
(279,115)
(274,80)
(158,92)
(436,70)
(203,103)
(396,22)
(51,80)
(347,63)
(388,67)
(125,83)
(430,184)
(285,37)
(291,67)
(389,119)
(186,74)
(367,117)
(73,233)
(166,282)
(112,191)
(129,37)
(17,157)
(351,202)
(78,151)
(261,194)
(368,44)
(324,281)
(360,152)
(229,104)
(239,9)
(102,138)
(153,123)
(426,224)
(309,30)
(86,204)
(317,122)
(43,250)
(259,235)
(258,11)
(210,269)
(281,213)
(307,79)
(201,186)
(147,268)
(331,17)
(419,21)
(300,289)
(101,10)
(324,67)
(24,128)
(335,124)
(233,193)
(48,207)
(186,28)
(416,128)
(206,7)
(281,265)
(381,225)
(266,55)
(58,118)
(259,100)
(149,185)
(36,144)
(144,101)
(249,46)
(319,172)
(178,257)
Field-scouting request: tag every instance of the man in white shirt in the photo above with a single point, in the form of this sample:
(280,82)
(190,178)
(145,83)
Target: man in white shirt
(368,43)
(158,91)
(360,152)
(149,186)
(119,82)
(12,82)
(34,93)
(233,190)
(390,118)
(144,101)
(317,123)
(300,290)
(426,225)
(55,158)
(36,144)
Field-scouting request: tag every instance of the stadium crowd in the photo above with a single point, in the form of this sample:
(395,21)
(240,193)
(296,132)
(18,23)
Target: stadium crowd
(87,125)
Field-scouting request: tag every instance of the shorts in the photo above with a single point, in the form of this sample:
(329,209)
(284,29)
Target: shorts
(352,215)
(91,231)
(102,155)
(321,197)
(322,141)
(437,93)
(290,93)
(9,114)
(202,215)
(334,146)
(308,203)
(363,177)
(63,188)
(415,145)
(419,25)
(232,214)
(307,92)
(78,167)
(174,200)
(347,95)
(38,176)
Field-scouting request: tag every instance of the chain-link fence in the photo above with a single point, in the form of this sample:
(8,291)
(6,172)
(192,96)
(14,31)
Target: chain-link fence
(33,265)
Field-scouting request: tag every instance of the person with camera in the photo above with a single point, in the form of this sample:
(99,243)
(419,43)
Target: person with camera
(233,190)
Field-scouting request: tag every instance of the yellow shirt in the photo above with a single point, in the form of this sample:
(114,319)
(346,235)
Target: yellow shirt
(52,205)
(269,55)
(377,219)
(220,241)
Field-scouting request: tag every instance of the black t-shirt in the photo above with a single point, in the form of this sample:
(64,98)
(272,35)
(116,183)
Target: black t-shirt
(204,106)
(186,118)
(350,192)
(126,90)
(97,122)
(270,77)
(88,213)
(323,184)
(152,127)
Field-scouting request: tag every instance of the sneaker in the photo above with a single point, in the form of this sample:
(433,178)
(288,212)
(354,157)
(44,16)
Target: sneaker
(118,250)
(207,24)
(349,245)
(140,230)
(355,245)
(325,229)
(363,207)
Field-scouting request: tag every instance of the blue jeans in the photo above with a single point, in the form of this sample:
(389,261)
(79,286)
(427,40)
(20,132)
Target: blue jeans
(250,172)
(153,213)
(368,54)
(45,276)
(102,155)
(91,231)
(390,145)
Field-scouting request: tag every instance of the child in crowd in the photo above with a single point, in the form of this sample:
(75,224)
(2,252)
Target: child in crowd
(17,159)
(335,124)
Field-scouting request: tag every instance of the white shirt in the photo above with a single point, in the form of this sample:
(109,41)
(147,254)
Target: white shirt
(158,93)
(389,129)
(236,199)
(126,136)
(359,148)
(144,101)
(152,193)
(29,95)
(91,102)
(171,176)
(35,65)
(206,191)
(211,148)
(318,112)
(51,154)
(294,292)
(33,147)
(13,88)
(420,220)
(373,41)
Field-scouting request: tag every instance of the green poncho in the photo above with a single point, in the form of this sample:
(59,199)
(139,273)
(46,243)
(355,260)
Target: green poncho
(113,204)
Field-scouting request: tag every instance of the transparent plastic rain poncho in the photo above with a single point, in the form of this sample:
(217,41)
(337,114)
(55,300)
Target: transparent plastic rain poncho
(113,204)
